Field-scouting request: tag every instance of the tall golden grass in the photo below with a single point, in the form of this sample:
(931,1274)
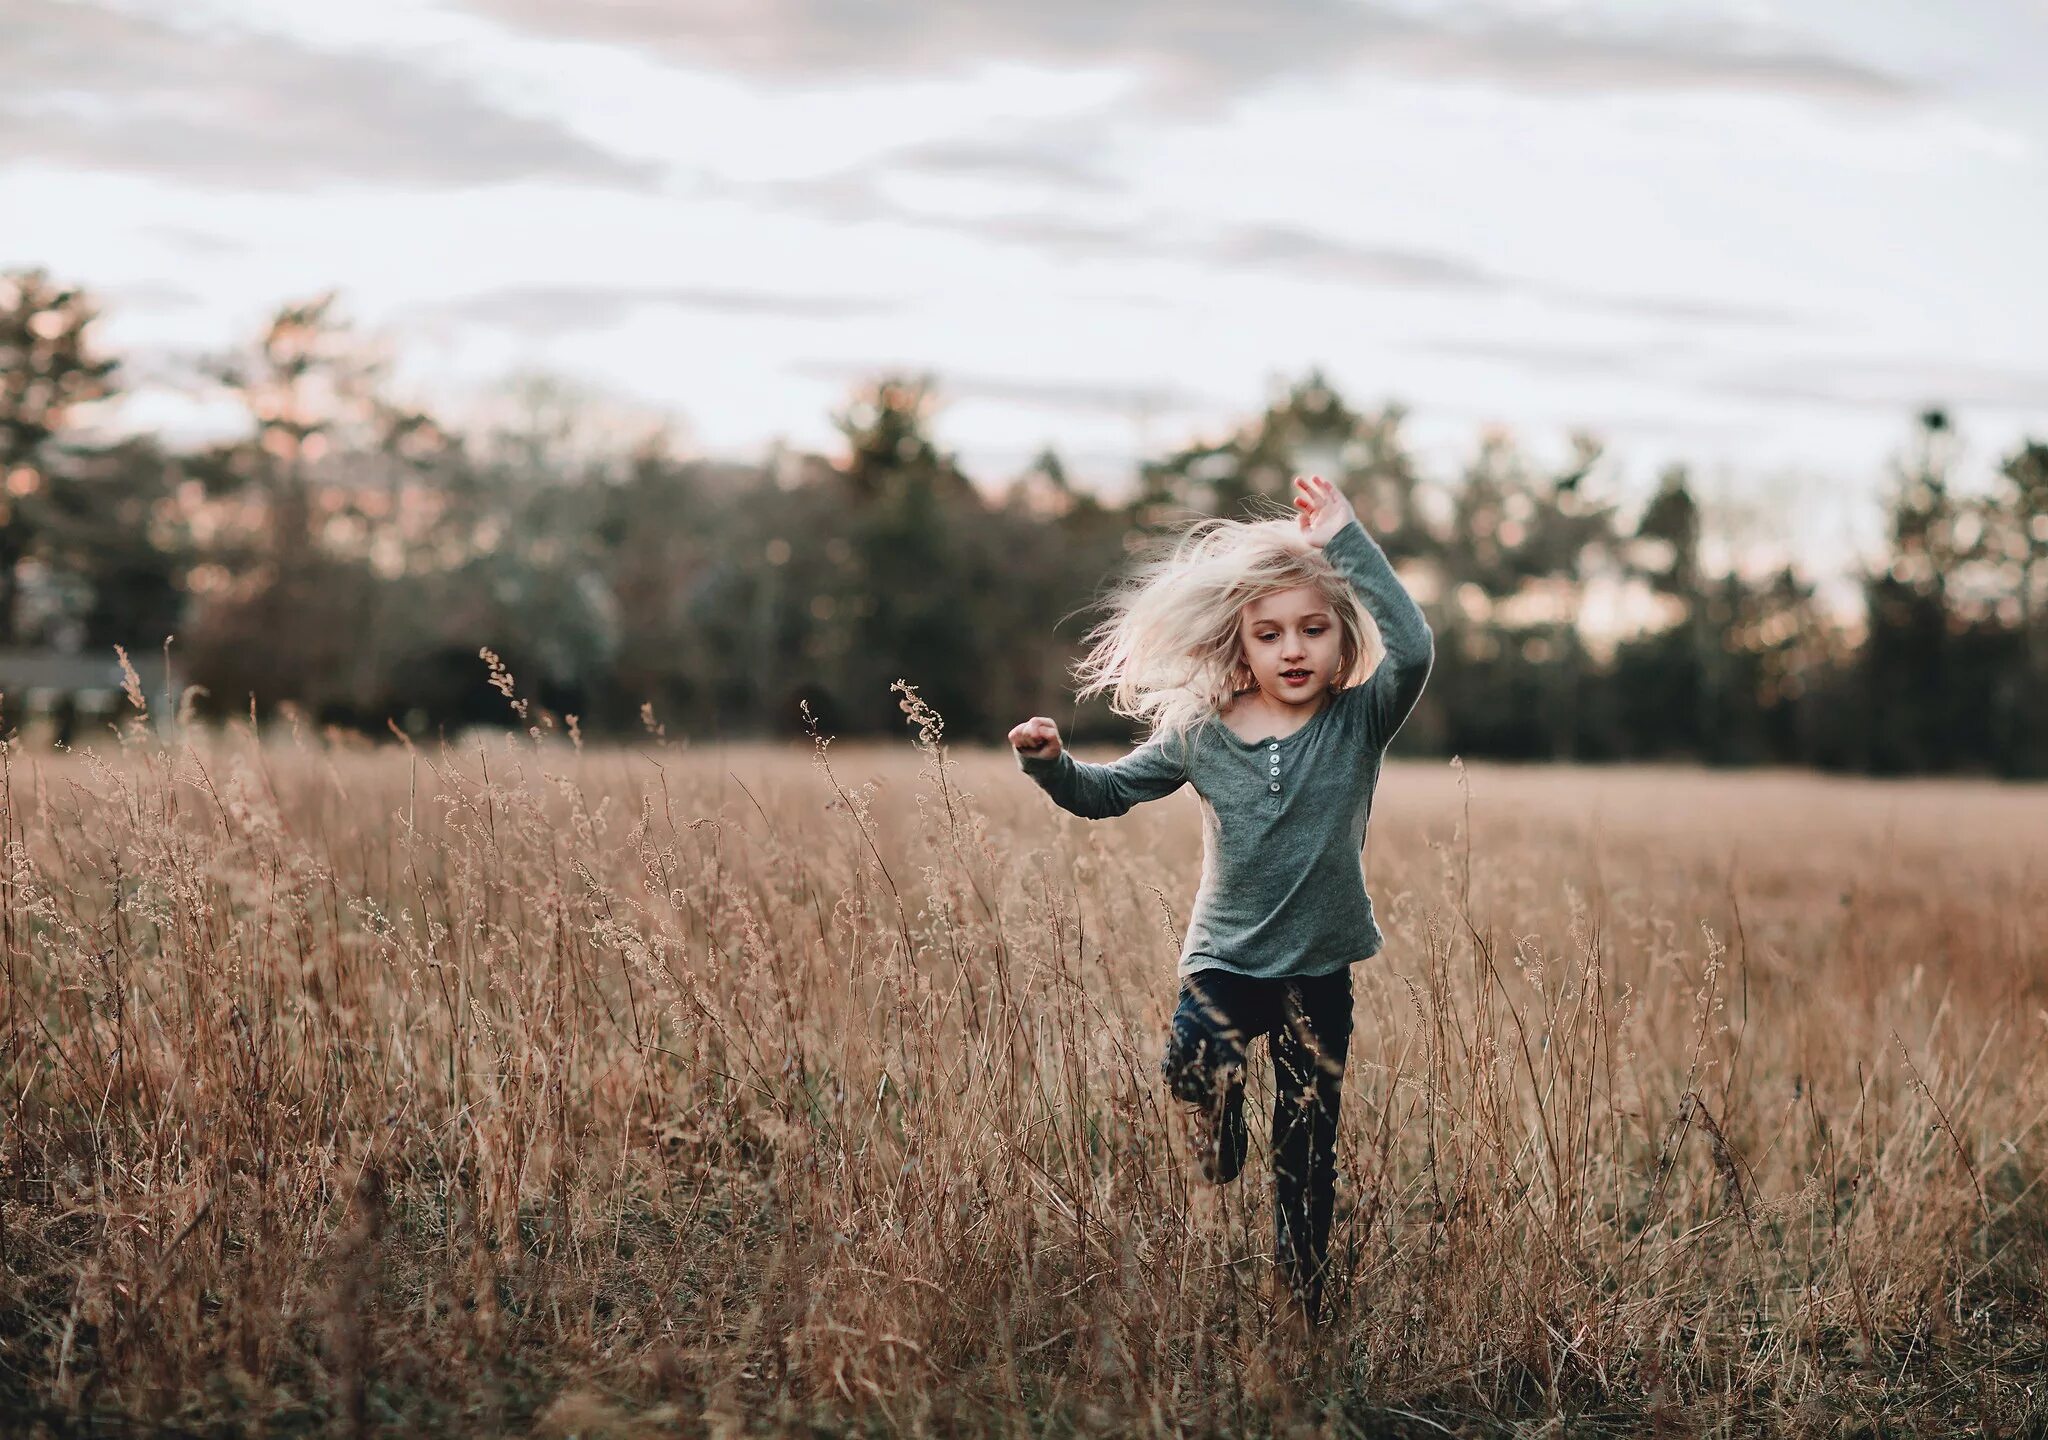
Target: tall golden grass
(519,1087)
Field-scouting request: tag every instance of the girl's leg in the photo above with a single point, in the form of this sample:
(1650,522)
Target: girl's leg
(1204,1064)
(1311,1044)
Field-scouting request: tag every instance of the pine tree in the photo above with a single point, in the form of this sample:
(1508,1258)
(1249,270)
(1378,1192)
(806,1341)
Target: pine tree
(49,368)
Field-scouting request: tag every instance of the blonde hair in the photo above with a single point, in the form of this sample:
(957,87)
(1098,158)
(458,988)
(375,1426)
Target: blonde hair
(1169,649)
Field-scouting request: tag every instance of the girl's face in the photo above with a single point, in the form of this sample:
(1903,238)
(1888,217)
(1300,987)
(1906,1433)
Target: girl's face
(1292,644)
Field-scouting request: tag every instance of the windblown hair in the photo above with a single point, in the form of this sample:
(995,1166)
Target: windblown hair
(1168,650)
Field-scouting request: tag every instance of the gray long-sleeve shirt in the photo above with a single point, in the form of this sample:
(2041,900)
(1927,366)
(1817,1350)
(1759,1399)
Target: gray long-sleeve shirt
(1283,818)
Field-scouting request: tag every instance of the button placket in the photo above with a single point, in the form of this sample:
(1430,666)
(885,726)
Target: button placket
(1273,757)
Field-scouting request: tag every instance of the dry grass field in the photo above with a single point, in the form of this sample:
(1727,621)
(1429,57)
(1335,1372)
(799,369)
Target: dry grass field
(529,1089)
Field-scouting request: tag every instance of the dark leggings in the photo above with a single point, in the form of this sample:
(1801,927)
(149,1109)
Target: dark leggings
(1308,1020)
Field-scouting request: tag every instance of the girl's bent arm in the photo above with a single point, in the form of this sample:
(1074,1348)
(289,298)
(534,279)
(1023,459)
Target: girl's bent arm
(1096,792)
(1393,688)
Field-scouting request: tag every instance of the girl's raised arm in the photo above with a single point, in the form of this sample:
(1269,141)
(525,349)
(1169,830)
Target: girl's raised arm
(1393,688)
(1096,792)
(1328,521)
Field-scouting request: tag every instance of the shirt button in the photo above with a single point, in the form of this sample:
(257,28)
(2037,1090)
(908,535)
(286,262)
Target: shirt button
(1274,746)
(1274,771)
(1274,786)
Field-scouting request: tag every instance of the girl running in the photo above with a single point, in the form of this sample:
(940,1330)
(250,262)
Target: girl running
(1273,691)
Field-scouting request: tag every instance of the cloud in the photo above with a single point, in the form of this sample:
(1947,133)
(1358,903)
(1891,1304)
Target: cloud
(1307,254)
(1054,235)
(1712,312)
(564,309)
(1046,161)
(1199,54)
(197,243)
(1094,396)
(1560,54)
(847,196)
(1889,384)
(1304,252)
(152,295)
(1538,357)
(88,85)
(856,196)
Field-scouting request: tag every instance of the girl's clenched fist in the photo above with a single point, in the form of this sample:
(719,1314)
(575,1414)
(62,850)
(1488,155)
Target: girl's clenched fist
(1037,737)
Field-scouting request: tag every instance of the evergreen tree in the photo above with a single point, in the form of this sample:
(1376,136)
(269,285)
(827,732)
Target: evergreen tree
(49,367)
(1907,663)
(910,498)
(296,608)
(1309,429)
(2015,545)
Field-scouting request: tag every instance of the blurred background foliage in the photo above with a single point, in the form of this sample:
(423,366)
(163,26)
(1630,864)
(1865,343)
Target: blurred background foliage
(349,555)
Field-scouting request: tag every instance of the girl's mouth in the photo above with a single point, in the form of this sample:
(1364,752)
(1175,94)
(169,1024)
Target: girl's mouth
(1295,677)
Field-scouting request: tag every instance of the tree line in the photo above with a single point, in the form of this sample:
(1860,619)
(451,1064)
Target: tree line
(352,556)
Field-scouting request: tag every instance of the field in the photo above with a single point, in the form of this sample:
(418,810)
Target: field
(522,1088)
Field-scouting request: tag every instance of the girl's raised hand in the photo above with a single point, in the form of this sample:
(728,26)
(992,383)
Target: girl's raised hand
(1321,509)
(1037,737)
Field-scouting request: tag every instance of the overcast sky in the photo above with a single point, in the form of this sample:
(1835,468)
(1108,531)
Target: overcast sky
(1753,235)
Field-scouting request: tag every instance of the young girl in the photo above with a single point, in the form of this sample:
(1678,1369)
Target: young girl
(1273,693)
